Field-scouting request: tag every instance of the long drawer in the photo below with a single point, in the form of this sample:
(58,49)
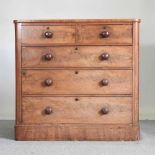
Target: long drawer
(77,81)
(105,110)
(77,56)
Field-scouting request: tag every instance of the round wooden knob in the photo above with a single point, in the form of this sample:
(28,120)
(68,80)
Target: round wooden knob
(104,34)
(104,82)
(48,82)
(48,110)
(48,34)
(48,56)
(104,56)
(104,111)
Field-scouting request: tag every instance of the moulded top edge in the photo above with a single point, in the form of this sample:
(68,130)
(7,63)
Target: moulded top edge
(79,21)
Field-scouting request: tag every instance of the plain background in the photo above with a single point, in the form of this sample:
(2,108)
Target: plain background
(60,9)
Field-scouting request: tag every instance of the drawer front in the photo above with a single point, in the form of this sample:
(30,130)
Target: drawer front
(48,34)
(105,34)
(77,81)
(81,56)
(105,110)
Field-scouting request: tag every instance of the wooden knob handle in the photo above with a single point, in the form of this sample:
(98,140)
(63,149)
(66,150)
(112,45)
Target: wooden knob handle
(104,34)
(48,56)
(104,111)
(48,34)
(104,82)
(104,56)
(48,82)
(48,110)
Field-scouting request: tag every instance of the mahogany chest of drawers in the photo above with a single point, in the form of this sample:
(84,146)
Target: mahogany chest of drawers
(77,79)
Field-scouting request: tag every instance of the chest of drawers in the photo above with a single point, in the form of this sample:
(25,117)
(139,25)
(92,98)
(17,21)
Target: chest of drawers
(77,79)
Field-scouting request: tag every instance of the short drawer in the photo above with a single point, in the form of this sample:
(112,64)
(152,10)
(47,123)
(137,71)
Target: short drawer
(79,56)
(105,34)
(104,110)
(77,81)
(48,34)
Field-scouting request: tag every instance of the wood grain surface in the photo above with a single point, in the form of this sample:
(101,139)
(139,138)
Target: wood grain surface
(61,34)
(119,34)
(79,56)
(95,132)
(77,110)
(77,81)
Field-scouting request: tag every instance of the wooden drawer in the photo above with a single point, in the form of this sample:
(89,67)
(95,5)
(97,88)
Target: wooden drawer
(105,110)
(48,34)
(77,81)
(105,34)
(81,56)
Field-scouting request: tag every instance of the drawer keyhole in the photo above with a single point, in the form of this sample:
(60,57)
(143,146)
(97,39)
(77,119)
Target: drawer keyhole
(76,72)
(76,99)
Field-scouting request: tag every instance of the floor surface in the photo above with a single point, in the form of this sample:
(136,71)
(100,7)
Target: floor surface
(8,146)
